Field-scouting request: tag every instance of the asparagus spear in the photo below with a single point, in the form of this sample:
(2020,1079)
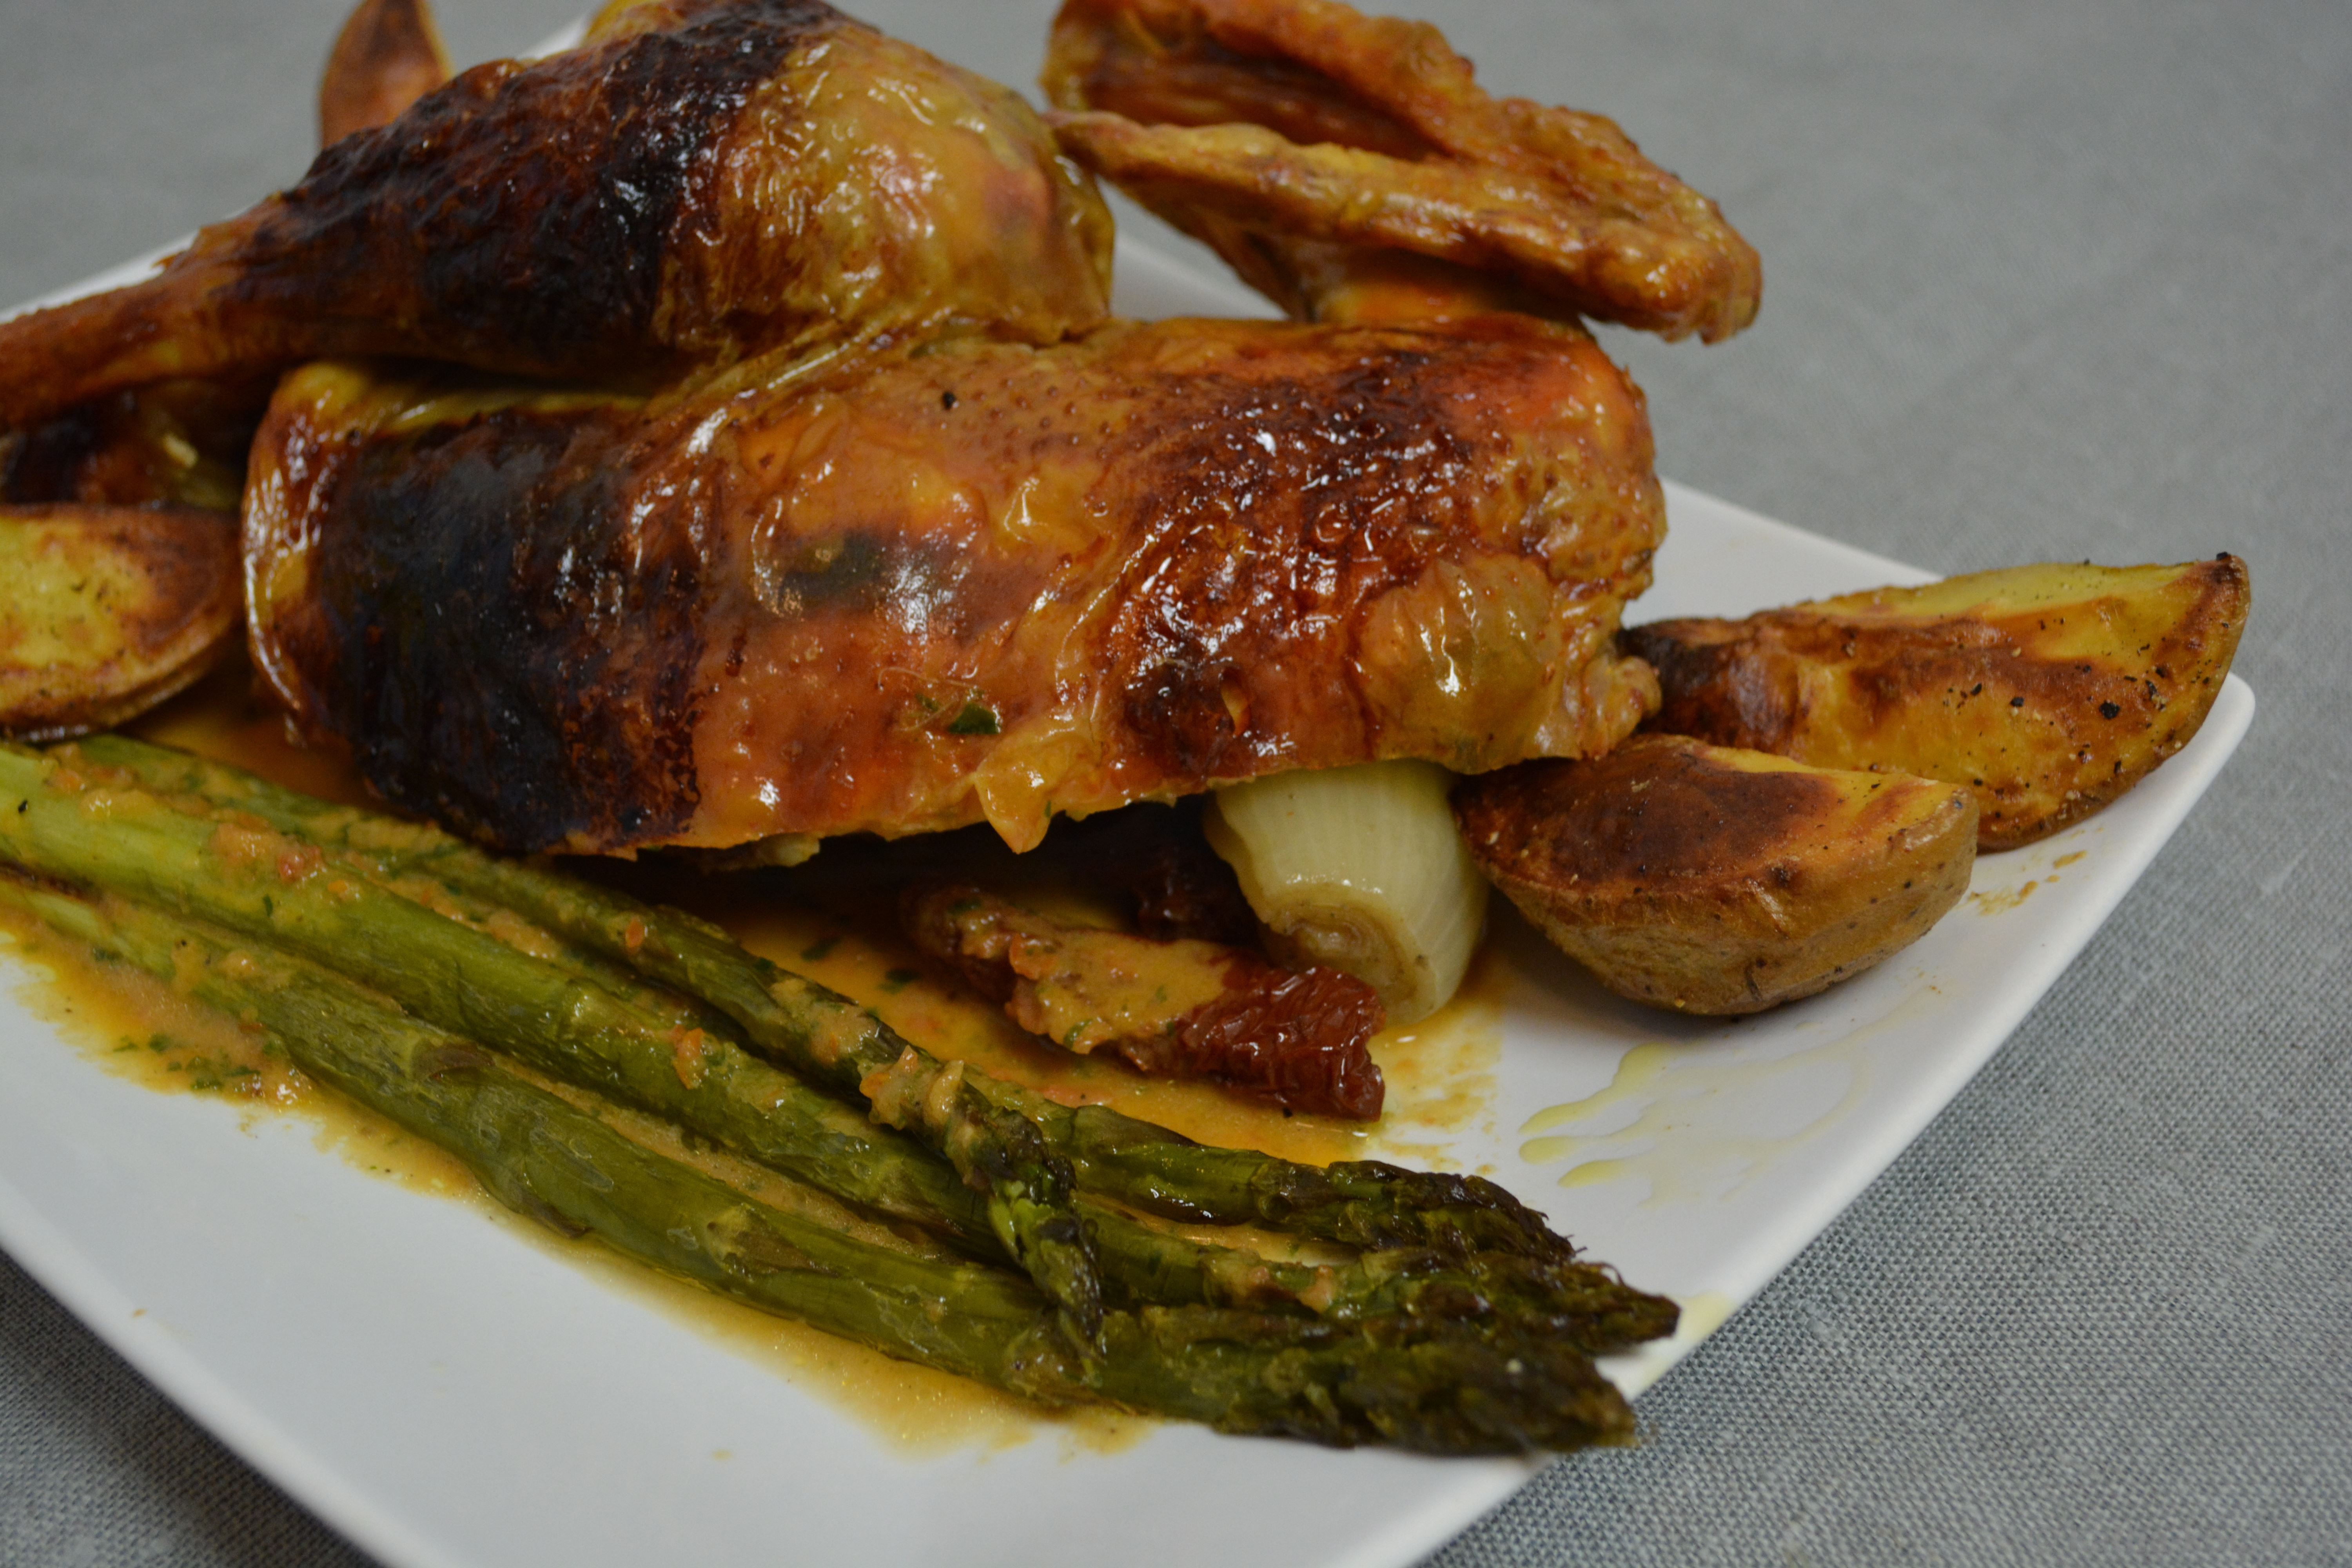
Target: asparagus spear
(832,1040)
(1504,1294)
(583,1035)
(264,883)
(1240,1372)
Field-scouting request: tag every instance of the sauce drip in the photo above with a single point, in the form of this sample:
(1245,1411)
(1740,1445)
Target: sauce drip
(1698,1120)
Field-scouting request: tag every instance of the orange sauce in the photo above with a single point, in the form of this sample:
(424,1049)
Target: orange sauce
(137,1026)
(222,716)
(1441,1071)
(832,920)
(917,1410)
(2001,900)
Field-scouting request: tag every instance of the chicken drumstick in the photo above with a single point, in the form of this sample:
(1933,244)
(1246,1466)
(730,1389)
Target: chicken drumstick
(700,181)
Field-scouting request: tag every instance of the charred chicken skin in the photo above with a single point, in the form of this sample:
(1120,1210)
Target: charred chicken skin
(700,181)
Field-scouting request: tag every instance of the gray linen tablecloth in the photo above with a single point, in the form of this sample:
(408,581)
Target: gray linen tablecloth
(2058,279)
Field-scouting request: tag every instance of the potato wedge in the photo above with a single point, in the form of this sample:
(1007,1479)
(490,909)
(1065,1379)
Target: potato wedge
(109,610)
(1715,881)
(2047,690)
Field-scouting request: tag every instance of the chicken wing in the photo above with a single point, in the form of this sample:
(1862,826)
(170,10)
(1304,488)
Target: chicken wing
(388,56)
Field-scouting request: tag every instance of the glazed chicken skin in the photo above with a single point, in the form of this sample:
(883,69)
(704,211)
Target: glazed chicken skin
(918,588)
(700,181)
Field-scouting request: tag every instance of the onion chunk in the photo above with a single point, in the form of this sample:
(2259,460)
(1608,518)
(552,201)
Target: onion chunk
(1362,870)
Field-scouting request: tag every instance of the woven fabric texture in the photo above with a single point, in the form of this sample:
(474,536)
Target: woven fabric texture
(2064,279)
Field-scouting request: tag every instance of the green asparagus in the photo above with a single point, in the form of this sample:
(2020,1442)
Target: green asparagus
(1237,1371)
(1459,1285)
(832,1040)
(266,884)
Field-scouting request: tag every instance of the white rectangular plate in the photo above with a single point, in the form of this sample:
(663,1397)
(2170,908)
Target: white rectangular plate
(446,1393)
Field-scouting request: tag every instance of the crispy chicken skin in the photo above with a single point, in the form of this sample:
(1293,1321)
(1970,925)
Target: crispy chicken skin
(704,180)
(907,589)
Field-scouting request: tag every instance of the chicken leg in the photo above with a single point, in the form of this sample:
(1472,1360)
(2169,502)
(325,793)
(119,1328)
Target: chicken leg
(700,181)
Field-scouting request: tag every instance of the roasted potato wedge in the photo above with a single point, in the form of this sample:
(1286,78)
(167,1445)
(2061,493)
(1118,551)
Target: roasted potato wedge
(1715,881)
(2047,690)
(109,610)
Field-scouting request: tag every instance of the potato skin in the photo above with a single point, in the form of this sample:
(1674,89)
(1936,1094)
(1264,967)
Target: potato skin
(109,610)
(2047,690)
(1716,880)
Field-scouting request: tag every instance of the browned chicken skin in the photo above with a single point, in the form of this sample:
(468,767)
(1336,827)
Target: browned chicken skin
(1295,136)
(709,179)
(917,588)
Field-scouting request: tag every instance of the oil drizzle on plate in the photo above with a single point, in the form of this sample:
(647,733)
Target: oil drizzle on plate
(2001,900)
(1695,1121)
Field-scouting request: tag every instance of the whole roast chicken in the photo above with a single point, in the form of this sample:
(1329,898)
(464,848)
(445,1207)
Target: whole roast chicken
(745,451)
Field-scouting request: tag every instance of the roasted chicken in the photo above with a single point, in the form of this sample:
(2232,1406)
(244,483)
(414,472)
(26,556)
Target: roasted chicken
(901,580)
(855,512)
(908,588)
(756,459)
